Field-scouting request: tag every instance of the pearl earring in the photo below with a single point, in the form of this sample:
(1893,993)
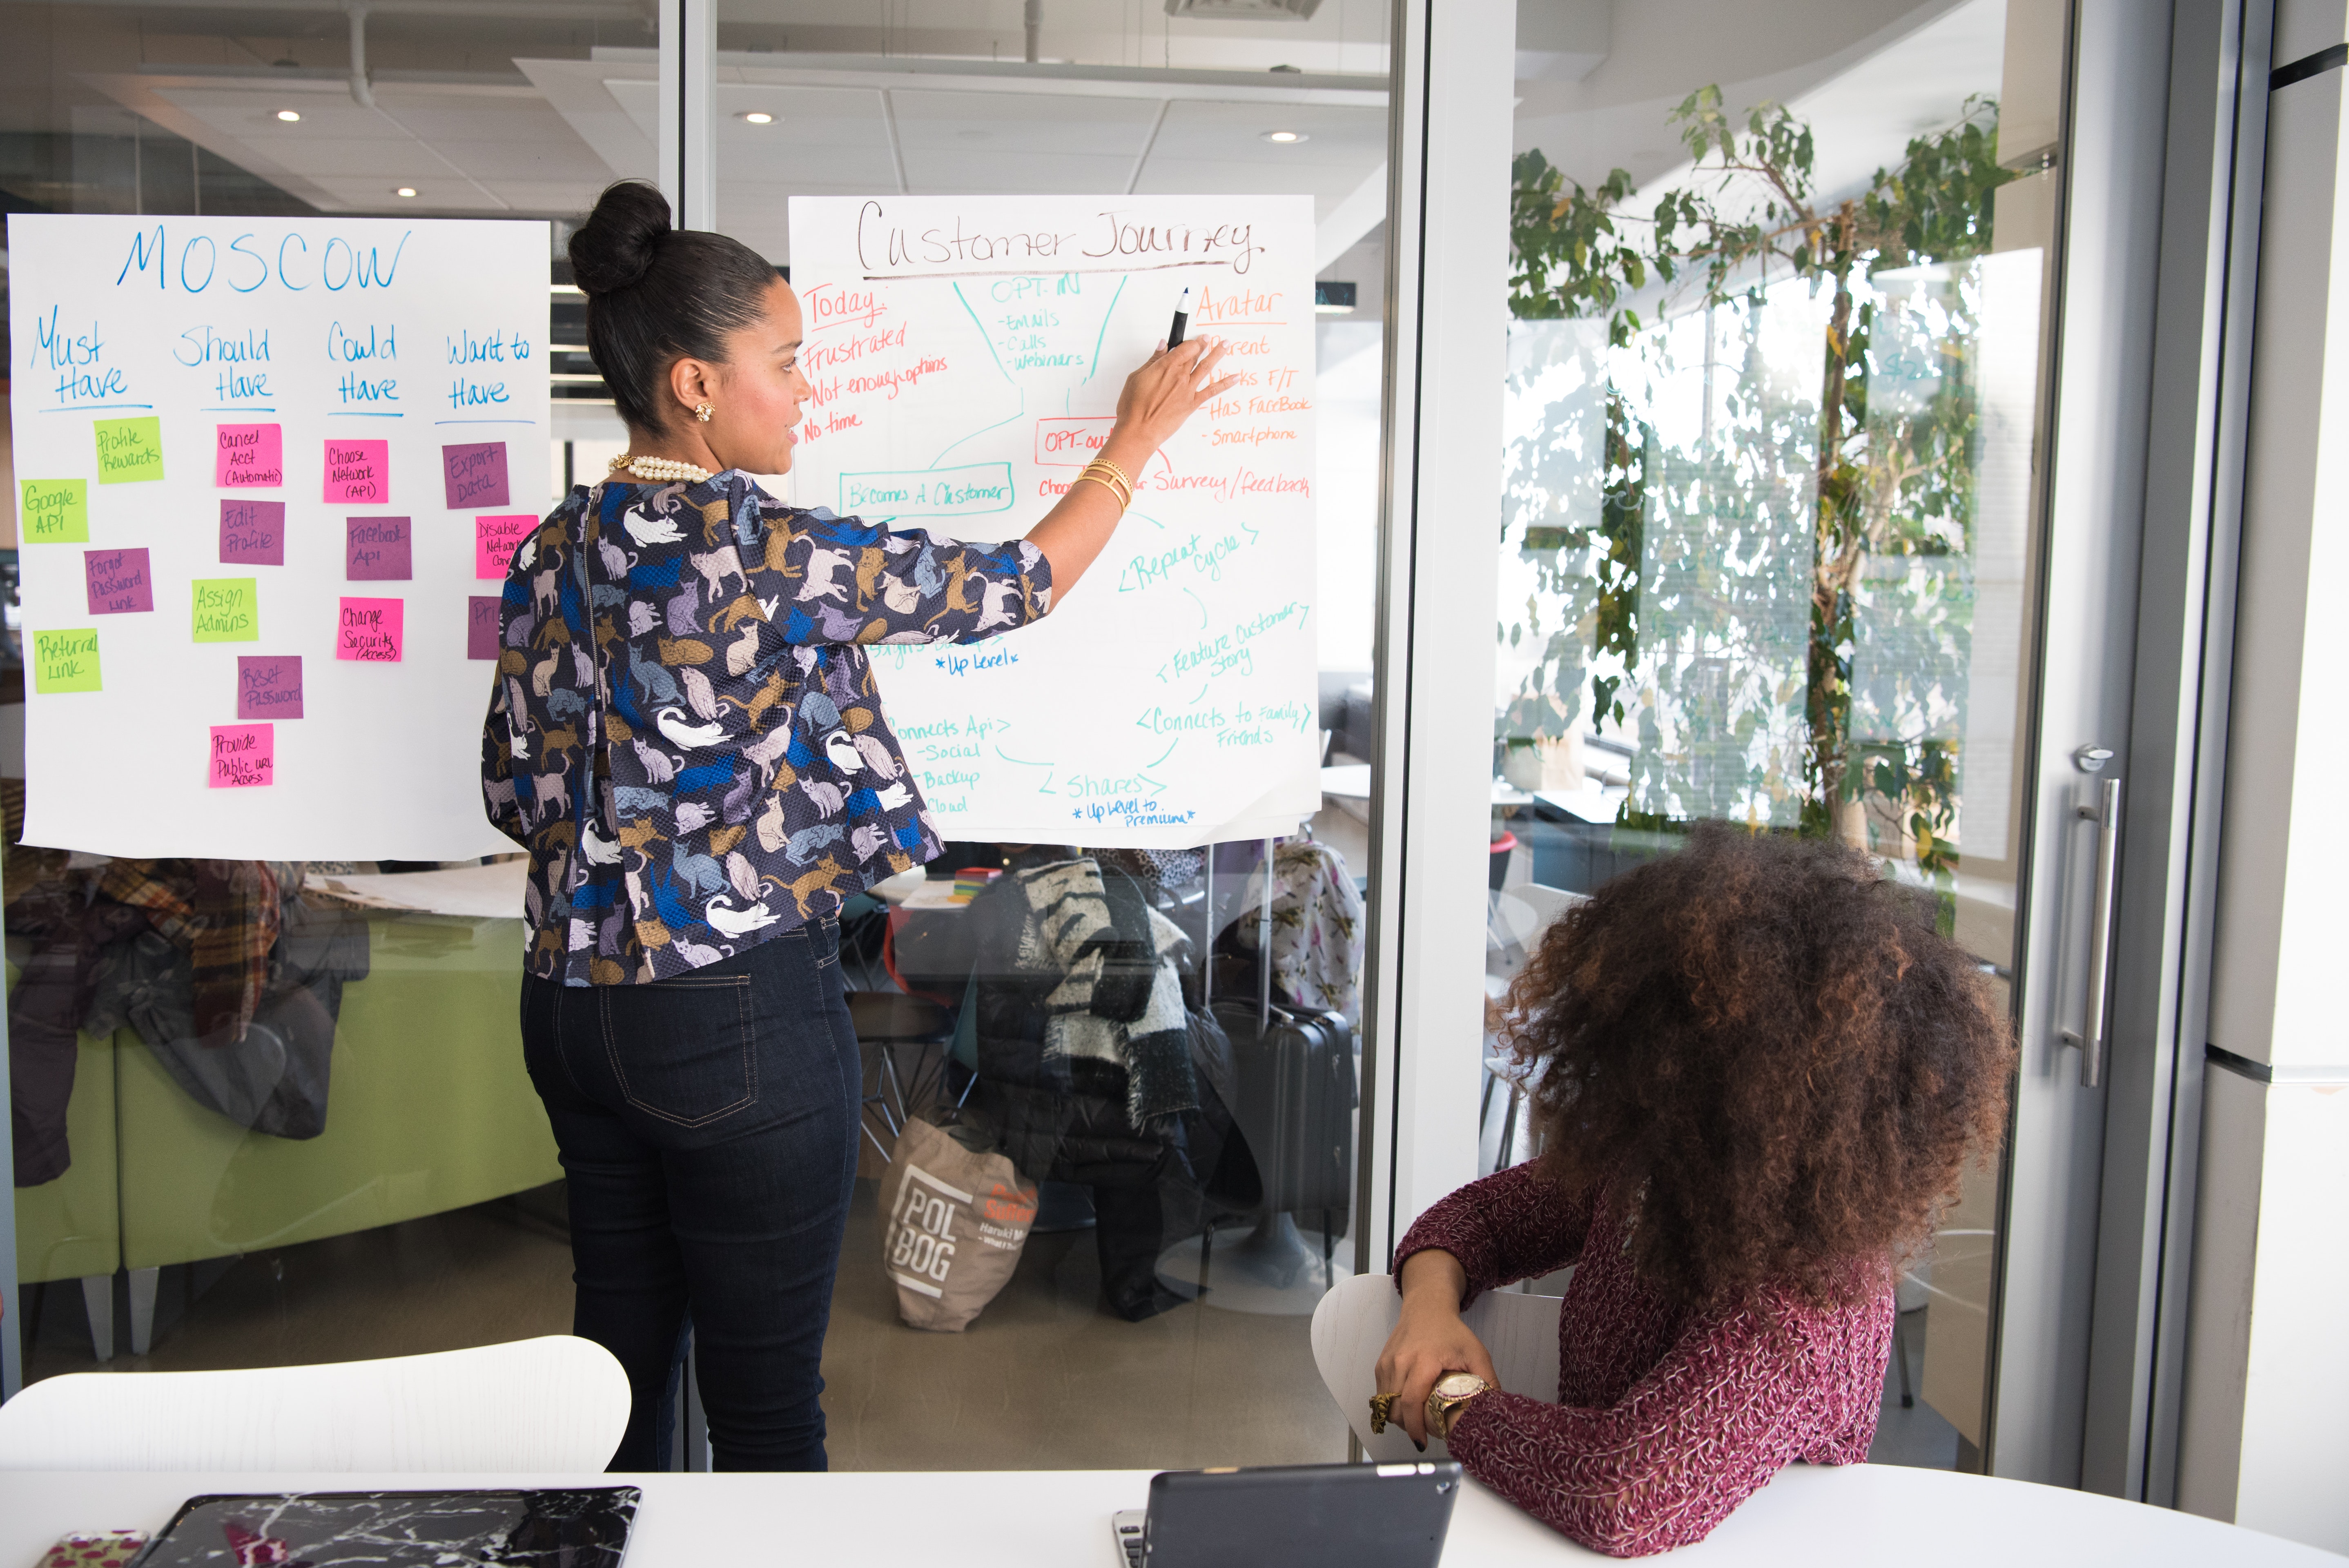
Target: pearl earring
(702,411)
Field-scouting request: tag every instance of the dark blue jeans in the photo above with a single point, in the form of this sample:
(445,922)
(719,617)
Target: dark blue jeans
(708,1131)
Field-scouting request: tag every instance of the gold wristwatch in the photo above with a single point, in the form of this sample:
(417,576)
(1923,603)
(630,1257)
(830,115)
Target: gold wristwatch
(1449,1398)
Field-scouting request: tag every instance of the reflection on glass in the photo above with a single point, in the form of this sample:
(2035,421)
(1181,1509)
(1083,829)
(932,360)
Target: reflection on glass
(1770,415)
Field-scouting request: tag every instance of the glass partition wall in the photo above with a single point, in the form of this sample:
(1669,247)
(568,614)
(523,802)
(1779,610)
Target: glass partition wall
(367,1172)
(1775,371)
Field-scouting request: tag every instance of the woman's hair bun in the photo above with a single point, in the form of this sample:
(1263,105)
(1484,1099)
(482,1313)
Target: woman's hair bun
(613,249)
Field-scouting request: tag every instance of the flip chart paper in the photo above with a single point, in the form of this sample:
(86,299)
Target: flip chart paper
(269,686)
(358,473)
(65,661)
(244,755)
(118,581)
(247,457)
(252,532)
(481,627)
(475,475)
(967,354)
(377,549)
(129,451)
(494,538)
(369,630)
(228,609)
(54,511)
(390,339)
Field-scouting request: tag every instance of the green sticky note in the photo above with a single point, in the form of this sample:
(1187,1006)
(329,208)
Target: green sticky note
(56,511)
(129,451)
(65,661)
(228,609)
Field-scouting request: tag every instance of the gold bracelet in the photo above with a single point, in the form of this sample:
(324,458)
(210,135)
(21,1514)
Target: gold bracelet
(1104,481)
(1114,468)
(1103,468)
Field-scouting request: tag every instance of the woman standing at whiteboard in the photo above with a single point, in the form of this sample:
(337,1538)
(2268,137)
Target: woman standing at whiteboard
(685,736)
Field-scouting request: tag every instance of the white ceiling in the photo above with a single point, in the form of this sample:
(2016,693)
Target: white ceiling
(844,125)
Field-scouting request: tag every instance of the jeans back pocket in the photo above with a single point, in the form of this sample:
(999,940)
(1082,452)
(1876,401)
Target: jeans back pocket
(682,1048)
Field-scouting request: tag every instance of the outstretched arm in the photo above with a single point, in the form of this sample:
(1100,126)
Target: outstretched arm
(1168,388)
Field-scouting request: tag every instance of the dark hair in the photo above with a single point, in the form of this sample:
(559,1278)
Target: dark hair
(657,294)
(1768,1054)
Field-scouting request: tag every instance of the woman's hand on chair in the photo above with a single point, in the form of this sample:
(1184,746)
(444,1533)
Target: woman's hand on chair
(1429,1339)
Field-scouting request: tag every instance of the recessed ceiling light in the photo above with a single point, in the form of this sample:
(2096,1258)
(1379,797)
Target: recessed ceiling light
(756,116)
(289,116)
(1284,136)
(405,190)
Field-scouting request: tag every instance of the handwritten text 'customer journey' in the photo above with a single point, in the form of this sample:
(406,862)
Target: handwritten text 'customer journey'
(967,356)
(268,476)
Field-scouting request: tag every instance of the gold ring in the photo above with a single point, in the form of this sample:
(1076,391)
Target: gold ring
(1381,1412)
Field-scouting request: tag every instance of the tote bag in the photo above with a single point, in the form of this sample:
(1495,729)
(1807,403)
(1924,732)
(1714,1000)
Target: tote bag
(954,1219)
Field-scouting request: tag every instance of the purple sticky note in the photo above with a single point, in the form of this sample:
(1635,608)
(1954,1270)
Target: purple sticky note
(475,475)
(269,688)
(481,627)
(118,580)
(377,549)
(253,532)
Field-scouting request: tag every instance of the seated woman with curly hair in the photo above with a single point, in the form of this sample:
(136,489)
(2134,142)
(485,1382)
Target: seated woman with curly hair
(1761,1075)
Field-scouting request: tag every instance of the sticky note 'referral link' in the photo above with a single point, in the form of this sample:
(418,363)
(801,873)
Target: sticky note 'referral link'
(228,609)
(359,473)
(243,756)
(129,451)
(118,582)
(481,627)
(65,661)
(248,456)
(54,511)
(475,475)
(369,630)
(379,549)
(269,686)
(494,539)
(252,532)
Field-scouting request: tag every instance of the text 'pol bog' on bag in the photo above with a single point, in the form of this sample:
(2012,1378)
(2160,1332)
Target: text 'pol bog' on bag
(956,1220)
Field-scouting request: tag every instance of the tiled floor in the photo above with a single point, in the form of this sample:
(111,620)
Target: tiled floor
(1043,1380)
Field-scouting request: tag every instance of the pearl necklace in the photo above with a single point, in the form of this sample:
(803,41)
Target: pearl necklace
(659,468)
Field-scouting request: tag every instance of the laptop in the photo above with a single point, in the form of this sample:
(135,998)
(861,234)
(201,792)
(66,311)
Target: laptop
(1296,1516)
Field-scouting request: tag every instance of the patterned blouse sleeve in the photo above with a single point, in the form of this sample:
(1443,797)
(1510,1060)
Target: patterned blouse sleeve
(841,579)
(497,751)
(1505,1227)
(1740,1395)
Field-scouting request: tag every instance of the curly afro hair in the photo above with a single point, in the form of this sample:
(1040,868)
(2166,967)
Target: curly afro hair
(1768,1052)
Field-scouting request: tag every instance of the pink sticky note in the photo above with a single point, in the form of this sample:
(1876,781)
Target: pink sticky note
(270,687)
(243,756)
(481,627)
(248,455)
(369,630)
(494,539)
(475,475)
(358,473)
(253,532)
(377,550)
(118,580)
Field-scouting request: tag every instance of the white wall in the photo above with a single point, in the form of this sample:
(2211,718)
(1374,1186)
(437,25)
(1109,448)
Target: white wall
(2265,1437)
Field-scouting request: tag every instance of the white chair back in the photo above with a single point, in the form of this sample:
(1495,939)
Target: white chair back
(1352,1325)
(551,1404)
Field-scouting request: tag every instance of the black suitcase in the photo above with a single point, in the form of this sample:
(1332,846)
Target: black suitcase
(1294,1098)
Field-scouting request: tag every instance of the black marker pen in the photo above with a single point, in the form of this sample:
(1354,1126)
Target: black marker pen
(1181,319)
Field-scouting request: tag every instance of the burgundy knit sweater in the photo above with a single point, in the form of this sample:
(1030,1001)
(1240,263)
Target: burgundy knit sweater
(1667,1419)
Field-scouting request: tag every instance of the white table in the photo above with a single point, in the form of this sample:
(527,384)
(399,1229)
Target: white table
(1048,1519)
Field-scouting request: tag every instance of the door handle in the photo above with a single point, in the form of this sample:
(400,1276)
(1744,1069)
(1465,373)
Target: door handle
(2091,1038)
